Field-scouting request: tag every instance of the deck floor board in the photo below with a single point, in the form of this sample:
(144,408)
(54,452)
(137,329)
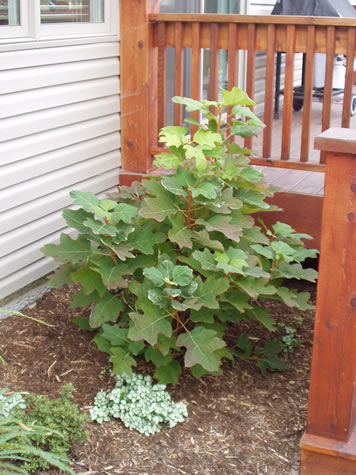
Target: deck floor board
(299,181)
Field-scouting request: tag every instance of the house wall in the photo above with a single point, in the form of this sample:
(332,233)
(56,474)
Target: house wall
(59,131)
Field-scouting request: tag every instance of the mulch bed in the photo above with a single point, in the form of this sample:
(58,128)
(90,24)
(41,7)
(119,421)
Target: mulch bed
(239,423)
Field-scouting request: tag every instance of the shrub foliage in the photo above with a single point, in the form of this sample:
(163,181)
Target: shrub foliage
(164,267)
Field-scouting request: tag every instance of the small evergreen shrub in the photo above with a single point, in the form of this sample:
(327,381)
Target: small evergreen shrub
(139,404)
(167,265)
(60,415)
(19,451)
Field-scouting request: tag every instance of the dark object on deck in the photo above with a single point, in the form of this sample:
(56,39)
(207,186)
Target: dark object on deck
(335,8)
(341,8)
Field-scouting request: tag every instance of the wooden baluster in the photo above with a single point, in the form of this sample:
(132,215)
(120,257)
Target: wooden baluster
(348,78)
(251,69)
(214,62)
(288,93)
(269,90)
(328,84)
(213,92)
(232,70)
(178,72)
(308,94)
(162,75)
(196,72)
(329,443)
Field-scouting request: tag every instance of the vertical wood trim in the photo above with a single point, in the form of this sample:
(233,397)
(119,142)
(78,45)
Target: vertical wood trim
(138,62)
(308,95)
(251,69)
(328,84)
(331,396)
(348,78)
(162,75)
(196,72)
(269,91)
(288,93)
(178,72)
(232,70)
(214,62)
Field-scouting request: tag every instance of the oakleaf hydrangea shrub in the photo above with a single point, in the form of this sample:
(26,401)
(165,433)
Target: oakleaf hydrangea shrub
(168,264)
(139,404)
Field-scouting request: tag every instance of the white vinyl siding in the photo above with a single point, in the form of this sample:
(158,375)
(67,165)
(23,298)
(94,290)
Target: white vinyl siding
(59,131)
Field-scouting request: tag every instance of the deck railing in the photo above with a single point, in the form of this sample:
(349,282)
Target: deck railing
(143,65)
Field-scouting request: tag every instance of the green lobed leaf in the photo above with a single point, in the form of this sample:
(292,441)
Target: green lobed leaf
(172,135)
(69,250)
(124,212)
(255,287)
(191,104)
(145,238)
(97,227)
(62,276)
(102,343)
(236,96)
(85,199)
(263,316)
(293,298)
(89,280)
(203,238)
(75,219)
(198,154)
(112,274)
(237,299)
(232,261)
(201,348)
(171,184)
(106,310)
(180,233)
(223,225)
(157,208)
(115,334)
(82,322)
(206,259)
(82,300)
(206,189)
(167,161)
(157,358)
(122,361)
(209,290)
(169,373)
(206,138)
(149,325)
(295,271)
(165,344)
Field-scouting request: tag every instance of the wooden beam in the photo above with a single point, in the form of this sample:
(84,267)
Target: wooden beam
(328,445)
(138,64)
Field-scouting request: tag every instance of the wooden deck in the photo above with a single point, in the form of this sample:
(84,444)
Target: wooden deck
(300,181)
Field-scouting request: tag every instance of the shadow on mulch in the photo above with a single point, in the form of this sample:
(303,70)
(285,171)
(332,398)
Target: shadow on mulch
(239,423)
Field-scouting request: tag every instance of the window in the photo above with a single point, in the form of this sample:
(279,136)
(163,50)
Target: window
(9,12)
(78,11)
(57,18)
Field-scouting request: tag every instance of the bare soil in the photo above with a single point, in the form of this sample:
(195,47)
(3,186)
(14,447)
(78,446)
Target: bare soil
(239,423)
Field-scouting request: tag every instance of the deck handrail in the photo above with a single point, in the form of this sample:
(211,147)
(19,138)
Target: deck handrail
(260,19)
(269,34)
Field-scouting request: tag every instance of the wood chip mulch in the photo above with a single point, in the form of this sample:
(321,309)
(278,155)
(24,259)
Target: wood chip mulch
(239,423)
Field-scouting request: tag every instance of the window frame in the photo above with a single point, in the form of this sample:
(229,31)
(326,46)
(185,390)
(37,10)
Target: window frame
(21,30)
(31,29)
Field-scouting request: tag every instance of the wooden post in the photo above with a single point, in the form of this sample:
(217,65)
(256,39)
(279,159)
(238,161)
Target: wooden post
(138,77)
(329,443)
